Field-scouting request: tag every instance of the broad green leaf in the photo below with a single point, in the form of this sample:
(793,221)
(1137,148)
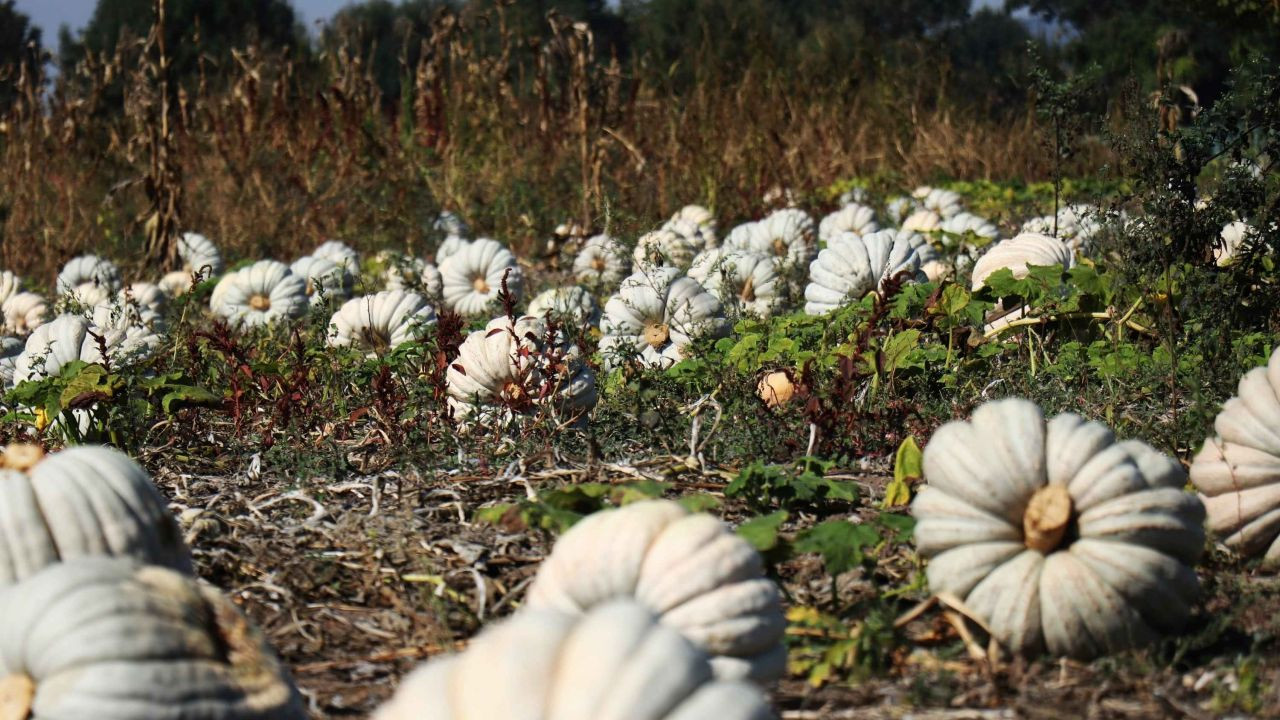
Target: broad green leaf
(907,465)
(762,531)
(839,542)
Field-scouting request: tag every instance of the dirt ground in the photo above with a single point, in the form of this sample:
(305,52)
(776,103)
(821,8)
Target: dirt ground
(356,582)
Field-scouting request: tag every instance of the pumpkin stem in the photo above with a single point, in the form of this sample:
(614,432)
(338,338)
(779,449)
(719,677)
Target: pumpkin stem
(21,456)
(598,263)
(776,389)
(513,392)
(480,285)
(261,303)
(657,335)
(748,293)
(779,246)
(17,693)
(1045,521)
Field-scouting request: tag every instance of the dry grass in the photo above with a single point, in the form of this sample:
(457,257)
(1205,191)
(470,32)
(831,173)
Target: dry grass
(270,157)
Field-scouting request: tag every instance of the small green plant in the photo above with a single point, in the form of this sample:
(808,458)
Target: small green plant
(803,484)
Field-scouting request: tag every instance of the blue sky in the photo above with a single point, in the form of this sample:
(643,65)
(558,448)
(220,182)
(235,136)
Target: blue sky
(49,15)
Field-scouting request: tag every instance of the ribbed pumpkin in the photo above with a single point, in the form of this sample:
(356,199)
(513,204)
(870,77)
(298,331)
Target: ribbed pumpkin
(601,263)
(451,224)
(71,337)
(199,255)
(665,248)
(381,322)
(1018,253)
(139,304)
(326,281)
(10,285)
(922,221)
(698,215)
(655,315)
(698,235)
(1238,470)
(946,203)
(966,222)
(262,293)
(472,276)
(613,663)
(10,349)
(567,304)
(1056,535)
(1076,226)
(787,234)
(109,639)
(691,570)
(82,501)
(853,265)
(1232,238)
(854,217)
(340,254)
(82,274)
(510,368)
(23,312)
(747,280)
(413,273)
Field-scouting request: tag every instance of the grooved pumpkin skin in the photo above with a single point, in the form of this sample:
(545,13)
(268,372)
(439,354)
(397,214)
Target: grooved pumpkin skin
(690,569)
(1238,470)
(109,639)
(1122,577)
(614,662)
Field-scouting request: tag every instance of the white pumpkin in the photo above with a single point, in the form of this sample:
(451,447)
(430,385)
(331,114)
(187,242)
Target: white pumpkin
(1018,252)
(698,215)
(85,272)
(139,304)
(787,234)
(262,293)
(340,254)
(853,265)
(413,273)
(571,303)
(898,208)
(1238,470)
(602,262)
(698,236)
(10,348)
(450,224)
(449,246)
(199,255)
(613,663)
(109,639)
(70,337)
(1056,535)
(382,322)
(922,221)
(472,277)
(967,222)
(656,314)
(176,283)
(510,368)
(855,195)
(1233,236)
(853,217)
(748,280)
(23,312)
(665,248)
(1076,226)
(82,501)
(946,203)
(325,280)
(691,570)
(10,285)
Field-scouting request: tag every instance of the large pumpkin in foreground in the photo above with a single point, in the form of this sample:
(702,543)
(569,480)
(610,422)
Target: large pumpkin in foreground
(1059,537)
(614,663)
(82,501)
(108,639)
(1238,471)
(691,569)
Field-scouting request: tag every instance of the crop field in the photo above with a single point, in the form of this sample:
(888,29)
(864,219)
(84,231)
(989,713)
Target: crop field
(645,388)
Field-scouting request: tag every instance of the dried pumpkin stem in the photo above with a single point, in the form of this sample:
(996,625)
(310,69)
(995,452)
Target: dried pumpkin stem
(1046,519)
(21,456)
(480,285)
(598,263)
(657,335)
(17,694)
(748,293)
(260,302)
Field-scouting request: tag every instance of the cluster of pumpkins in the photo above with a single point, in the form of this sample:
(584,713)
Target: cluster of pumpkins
(678,283)
(1054,534)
